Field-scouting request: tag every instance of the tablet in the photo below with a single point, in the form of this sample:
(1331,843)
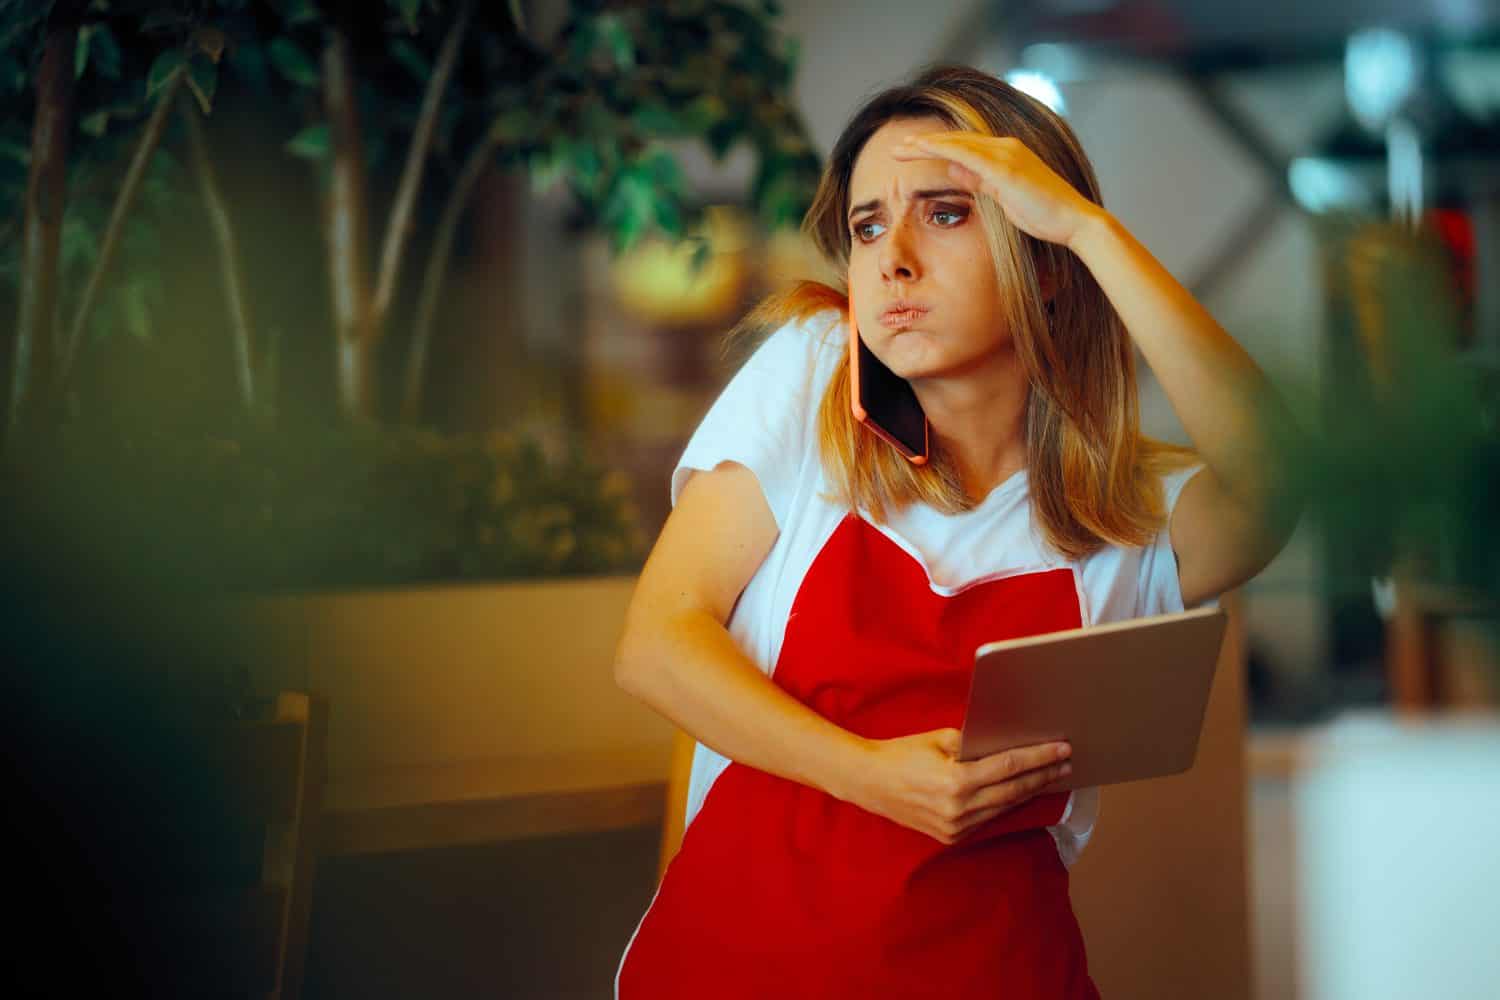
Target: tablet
(1129,696)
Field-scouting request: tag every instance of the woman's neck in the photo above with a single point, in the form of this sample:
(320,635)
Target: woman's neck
(979,418)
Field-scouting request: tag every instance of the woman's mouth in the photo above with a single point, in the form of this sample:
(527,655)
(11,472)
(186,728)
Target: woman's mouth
(896,319)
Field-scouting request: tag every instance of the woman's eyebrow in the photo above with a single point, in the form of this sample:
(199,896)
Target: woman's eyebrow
(928,193)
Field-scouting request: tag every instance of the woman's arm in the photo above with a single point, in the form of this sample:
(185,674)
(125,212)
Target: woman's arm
(677,657)
(1233,517)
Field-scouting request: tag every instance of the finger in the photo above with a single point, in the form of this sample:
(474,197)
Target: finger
(965,178)
(1015,761)
(948,741)
(1012,793)
(972,820)
(961,149)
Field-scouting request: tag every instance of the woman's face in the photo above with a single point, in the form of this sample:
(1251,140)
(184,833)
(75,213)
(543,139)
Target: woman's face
(915,237)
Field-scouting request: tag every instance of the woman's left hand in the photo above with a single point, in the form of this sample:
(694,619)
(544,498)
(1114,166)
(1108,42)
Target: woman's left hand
(1034,198)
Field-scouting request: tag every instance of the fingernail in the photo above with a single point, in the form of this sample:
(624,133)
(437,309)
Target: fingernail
(1064,751)
(1067,769)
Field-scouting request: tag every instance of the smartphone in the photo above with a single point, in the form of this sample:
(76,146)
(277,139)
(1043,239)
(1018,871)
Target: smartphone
(884,401)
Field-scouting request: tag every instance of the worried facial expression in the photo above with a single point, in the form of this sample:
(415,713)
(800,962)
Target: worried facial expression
(916,240)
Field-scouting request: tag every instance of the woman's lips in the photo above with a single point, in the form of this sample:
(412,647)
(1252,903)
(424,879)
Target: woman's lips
(896,319)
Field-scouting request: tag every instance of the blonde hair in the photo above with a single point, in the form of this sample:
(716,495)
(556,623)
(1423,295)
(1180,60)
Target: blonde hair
(1094,478)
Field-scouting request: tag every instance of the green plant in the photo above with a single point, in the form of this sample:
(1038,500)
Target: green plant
(1400,452)
(107,97)
(447,90)
(264,510)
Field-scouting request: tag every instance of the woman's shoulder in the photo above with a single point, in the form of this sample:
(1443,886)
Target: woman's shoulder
(819,337)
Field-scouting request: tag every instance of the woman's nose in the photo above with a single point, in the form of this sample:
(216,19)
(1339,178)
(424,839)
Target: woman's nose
(898,254)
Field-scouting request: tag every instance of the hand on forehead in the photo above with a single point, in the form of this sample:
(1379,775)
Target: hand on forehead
(879,177)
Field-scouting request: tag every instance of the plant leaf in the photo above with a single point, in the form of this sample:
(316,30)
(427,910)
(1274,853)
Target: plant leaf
(655,118)
(668,214)
(96,123)
(312,143)
(616,35)
(15,150)
(203,80)
(81,50)
(13,76)
(408,10)
(512,125)
(166,64)
(247,58)
(210,41)
(137,316)
(631,206)
(415,62)
(302,11)
(702,113)
(292,63)
(584,159)
(546,167)
(105,52)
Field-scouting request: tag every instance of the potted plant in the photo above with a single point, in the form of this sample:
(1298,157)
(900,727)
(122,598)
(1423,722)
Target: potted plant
(1401,464)
(455,596)
(1401,456)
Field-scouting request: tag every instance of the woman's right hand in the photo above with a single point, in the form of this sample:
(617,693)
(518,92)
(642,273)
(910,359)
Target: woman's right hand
(919,782)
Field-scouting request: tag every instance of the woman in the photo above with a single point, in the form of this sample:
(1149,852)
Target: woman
(811,609)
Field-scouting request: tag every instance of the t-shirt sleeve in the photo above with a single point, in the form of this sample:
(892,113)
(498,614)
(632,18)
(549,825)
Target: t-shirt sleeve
(765,419)
(1160,587)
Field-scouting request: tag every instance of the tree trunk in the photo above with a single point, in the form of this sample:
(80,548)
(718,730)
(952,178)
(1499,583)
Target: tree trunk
(124,202)
(32,367)
(398,228)
(437,270)
(240,328)
(347,235)
(356,375)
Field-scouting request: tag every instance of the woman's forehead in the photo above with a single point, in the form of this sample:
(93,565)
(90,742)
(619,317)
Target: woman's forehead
(876,172)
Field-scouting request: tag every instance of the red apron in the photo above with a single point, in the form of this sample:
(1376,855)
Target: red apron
(781,890)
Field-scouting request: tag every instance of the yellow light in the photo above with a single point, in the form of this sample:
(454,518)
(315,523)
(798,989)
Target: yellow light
(656,282)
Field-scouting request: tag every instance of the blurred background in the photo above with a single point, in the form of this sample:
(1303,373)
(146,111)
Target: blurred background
(354,345)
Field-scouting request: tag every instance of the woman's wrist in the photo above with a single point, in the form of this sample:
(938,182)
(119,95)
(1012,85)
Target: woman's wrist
(1096,224)
(848,768)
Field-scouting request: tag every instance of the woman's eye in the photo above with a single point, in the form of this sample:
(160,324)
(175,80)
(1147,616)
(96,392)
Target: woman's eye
(944,218)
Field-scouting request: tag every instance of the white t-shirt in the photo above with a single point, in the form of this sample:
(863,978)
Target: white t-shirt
(766,420)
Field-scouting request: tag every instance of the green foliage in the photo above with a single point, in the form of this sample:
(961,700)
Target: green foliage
(21,26)
(163,69)
(1400,458)
(408,10)
(589,108)
(97,46)
(311,143)
(133,294)
(321,508)
(620,79)
(121,66)
(292,63)
(203,81)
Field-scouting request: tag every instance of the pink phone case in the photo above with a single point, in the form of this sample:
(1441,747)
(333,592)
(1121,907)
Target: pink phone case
(863,415)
